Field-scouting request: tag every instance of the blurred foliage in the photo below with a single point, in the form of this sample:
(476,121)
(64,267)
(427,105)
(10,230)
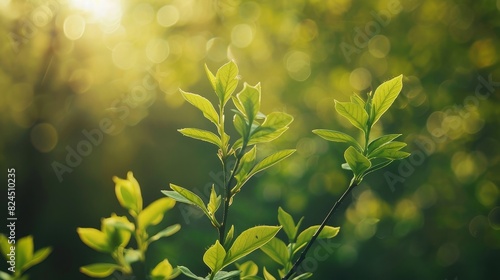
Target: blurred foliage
(90,89)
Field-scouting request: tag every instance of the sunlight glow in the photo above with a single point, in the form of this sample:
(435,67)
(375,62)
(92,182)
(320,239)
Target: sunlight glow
(107,12)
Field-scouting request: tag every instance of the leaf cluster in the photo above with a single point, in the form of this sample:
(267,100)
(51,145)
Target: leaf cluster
(116,232)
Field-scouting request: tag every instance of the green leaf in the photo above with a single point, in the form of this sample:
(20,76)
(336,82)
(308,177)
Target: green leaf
(202,135)
(386,150)
(271,160)
(165,232)
(358,100)
(95,239)
(240,125)
(225,81)
(385,95)
(5,276)
(214,257)
(4,245)
(267,275)
(307,234)
(248,268)
(229,237)
(357,161)
(153,214)
(38,257)
(162,269)
(246,164)
(214,201)
(288,224)
(99,270)
(353,112)
(227,275)
(382,140)
(132,255)
(275,124)
(203,105)
(24,252)
(118,230)
(188,273)
(378,166)
(191,197)
(128,193)
(249,99)
(337,136)
(277,250)
(249,241)
(392,154)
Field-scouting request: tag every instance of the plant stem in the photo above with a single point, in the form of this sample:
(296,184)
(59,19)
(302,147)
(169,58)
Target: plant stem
(227,199)
(352,185)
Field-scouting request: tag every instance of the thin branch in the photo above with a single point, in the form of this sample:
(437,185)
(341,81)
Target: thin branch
(352,185)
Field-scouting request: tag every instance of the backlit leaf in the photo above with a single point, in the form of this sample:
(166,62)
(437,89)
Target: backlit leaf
(288,224)
(99,270)
(357,161)
(337,136)
(95,239)
(153,214)
(382,140)
(353,112)
(307,234)
(276,250)
(203,105)
(226,81)
(385,95)
(202,135)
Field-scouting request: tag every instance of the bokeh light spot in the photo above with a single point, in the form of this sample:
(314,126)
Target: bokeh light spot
(167,16)
(298,65)
(494,218)
(487,193)
(478,225)
(448,254)
(74,26)
(143,13)
(483,53)
(379,46)
(360,78)
(241,35)
(468,166)
(44,137)
(157,50)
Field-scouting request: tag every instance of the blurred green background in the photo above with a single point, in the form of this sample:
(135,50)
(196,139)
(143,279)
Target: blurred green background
(101,78)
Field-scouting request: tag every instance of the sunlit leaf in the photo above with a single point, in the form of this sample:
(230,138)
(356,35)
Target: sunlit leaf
(202,135)
(249,98)
(189,274)
(39,256)
(248,268)
(203,105)
(356,99)
(165,232)
(24,251)
(240,125)
(153,214)
(288,224)
(249,241)
(118,230)
(357,161)
(271,160)
(246,164)
(191,197)
(229,237)
(267,275)
(276,250)
(307,234)
(162,269)
(274,125)
(353,112)
(227,275)
(337,136)
(214,201)
(385,95)
(226,81)
(128,193)
(303,276)
(214,257)
(387,150)
(382,140)
(99,270)
(95,239)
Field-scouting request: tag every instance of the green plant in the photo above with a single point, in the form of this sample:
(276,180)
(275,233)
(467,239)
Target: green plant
(20,256)
(116,232)
(253,128)
(367,156)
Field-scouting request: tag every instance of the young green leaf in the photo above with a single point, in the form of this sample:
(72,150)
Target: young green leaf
(163,270)
(214,257)
(276,250)
(392,154)
(288,224)
(337,136)
(382,140)
(227,275)
(95,239)
(226,81)
(248,269)
(353,112)
(385,95)
(170,230)
(202,135)
(303,276)
(275,124)
(307,234)
(37,258)
(229,237)
(246,164)
(203,105)
(191,197)
(357,161)
(24,252)
(386,150)
(118,230)
(267,275)
(153,214)
(128,193)
(271,160)
(249,241)
(211,77)
(358,100)
(249,98)
(240,125)
(189,274)
(214,202)
(99,270)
